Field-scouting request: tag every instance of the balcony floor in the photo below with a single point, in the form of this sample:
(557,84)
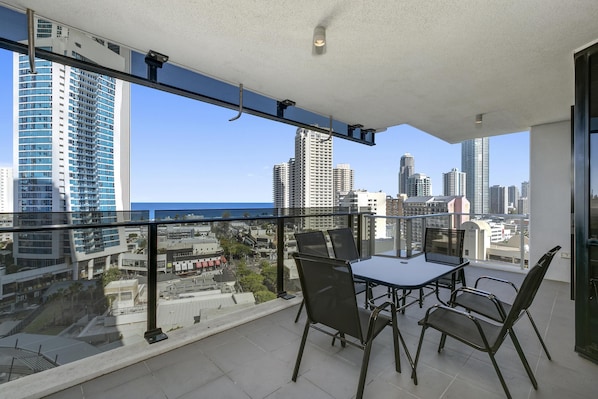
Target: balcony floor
(256,359)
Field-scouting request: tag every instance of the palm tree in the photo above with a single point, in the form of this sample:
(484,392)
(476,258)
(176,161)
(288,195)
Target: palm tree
(74,291)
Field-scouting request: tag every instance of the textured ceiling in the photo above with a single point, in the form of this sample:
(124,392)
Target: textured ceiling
(432,64)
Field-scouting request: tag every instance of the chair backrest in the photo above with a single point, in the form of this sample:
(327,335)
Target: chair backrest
(444,245)
(343,244)
(329,293)
(529,287)
(312,243)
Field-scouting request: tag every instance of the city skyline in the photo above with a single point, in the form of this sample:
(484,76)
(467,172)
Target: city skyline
(226,161)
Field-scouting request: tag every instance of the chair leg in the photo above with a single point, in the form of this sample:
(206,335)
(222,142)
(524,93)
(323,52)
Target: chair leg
(419,348)
(395,341)
(526,365)
(462,276)
(500,377)
(538,334)
(369,294)
(364,369)
(300,354)
(442,342)
(299,311)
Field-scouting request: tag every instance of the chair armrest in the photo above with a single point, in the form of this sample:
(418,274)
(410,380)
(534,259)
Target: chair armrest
(499,280)
(456,313)
(382,307)
(376,312)
(483,294)
(471,290)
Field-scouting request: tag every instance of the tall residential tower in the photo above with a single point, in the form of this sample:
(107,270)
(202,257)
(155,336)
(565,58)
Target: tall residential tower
(71,148)
(343,179)
(407,169)
(419,185)
(454,182)
(313,170)
(475,165)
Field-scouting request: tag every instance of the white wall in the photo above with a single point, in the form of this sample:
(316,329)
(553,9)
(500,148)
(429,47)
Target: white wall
(550,196)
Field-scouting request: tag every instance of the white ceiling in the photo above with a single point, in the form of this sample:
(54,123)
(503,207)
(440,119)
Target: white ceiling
(431,64)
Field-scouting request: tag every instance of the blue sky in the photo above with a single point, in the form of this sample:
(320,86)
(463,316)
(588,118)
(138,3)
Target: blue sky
(187,151)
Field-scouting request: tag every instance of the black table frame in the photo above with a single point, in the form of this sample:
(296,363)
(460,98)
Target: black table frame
(405,274)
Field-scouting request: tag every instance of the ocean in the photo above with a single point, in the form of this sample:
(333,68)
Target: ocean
(164,210)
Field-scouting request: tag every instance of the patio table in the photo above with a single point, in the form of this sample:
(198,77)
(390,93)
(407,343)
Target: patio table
(407,275)
(404,274)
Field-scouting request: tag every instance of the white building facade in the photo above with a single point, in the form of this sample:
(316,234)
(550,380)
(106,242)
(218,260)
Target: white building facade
(281,190)
(419,185)
(343,178)
(475,164)
(71,147)
(365,201)
(454,182)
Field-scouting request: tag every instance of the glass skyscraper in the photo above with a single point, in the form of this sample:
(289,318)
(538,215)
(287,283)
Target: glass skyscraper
(71,149)
(454,182)
(475,165)
(407,169)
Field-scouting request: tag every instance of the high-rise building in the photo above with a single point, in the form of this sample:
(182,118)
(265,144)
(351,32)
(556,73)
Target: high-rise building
(513,196)
(523,206)
(71,148)
(525,189)
(454,182)
(312,185)
(342,180)
(419,185)
(475,164)
(430,205)
(394,206)
(407,169)
(6,190)
(281,190)
(6,202)
(313,170)
(365,201)
(499,199)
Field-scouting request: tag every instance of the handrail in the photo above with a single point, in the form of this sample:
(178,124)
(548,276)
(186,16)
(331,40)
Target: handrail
(154,332)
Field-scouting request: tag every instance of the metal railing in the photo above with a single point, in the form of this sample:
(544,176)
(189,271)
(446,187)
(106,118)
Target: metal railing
(491,238)
(104,270)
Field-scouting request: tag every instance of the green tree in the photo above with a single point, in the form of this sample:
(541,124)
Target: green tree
(269,274)
(74,290)
(112,274)
(242,269)
(252,283)
(264,296)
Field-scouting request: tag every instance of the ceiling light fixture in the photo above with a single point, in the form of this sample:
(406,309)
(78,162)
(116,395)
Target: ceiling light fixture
(319,40)
(478,119)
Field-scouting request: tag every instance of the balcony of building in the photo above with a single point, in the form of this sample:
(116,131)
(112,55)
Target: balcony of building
(441,68)
(251,354)
(238,348)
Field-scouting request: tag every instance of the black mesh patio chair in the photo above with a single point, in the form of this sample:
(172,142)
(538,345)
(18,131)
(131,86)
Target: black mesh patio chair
(482,334)
(477,304)
(343,244)
(331,306)
(311,243)
(444,245)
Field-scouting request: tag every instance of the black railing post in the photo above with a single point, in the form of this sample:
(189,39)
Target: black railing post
(153,333)
(280,241)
